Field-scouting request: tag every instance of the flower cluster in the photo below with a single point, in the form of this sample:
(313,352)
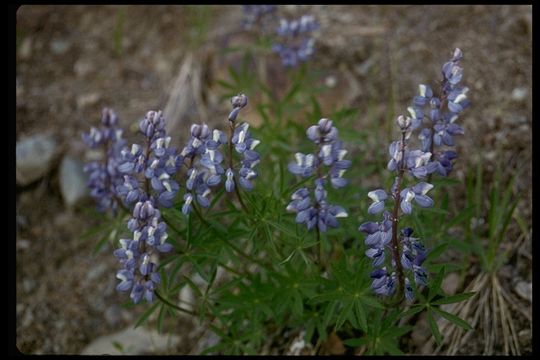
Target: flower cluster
(381,236)
(296,43)
(148,184)
(314,210)
(257,14)
(205,159)
(104,176)
(204,164)
(139,274)
(442,125)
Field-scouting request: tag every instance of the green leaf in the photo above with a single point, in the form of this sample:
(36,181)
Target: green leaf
(412,311)
(356,342)
(371,301)
(436,283)
(437,251)
(345,313)
(434,328)
(453,318)
(397,332)
(118,346)
(146,314)
(390,347)
(454,298)
(360,315)
(161,316)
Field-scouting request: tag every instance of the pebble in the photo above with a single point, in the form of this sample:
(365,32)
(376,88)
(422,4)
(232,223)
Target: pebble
(29,285)
(133,342)
(520,94)
(83,67)
(86,100)
(25,50)
(524,290)
(451,283)
(60,47)
(72,181)
(35,156)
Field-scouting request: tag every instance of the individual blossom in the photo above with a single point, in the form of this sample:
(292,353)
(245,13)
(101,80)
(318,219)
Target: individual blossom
(418,194)
(310,204)
(383,283)
(104,175)
(295,44)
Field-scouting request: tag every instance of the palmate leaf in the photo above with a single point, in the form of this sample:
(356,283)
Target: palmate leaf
(435,285)
(345,313)
(145,315)
(452,318)
(434,328)
(454,298)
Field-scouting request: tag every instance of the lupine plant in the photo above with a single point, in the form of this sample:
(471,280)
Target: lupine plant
(260,249)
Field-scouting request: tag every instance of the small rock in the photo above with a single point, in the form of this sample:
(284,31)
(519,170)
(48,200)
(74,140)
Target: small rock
(28,318)
(330,81)
(86,100)
(60,47)
(29,285)
(83,67)
(524,290)
(25,50)
(451,283)
(520,94)
(132,342)
(72,181)
(34,158)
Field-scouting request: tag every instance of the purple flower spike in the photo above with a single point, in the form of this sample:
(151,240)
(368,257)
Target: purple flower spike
(313,209)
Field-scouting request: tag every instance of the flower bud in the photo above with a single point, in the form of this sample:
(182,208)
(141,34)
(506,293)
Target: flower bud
(403,122)
(239,101)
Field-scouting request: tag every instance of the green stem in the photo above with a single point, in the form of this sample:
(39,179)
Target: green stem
(174,305)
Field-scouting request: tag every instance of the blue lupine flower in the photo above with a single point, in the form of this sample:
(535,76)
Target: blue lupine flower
(444,162)
(409,295)
(204,164)
(379,234)
(255,15)
(155,166)
(295,44)
(378,197)
(442,128)
(418,193)
(383,284)
(318,212)
(244,144)
(105,176)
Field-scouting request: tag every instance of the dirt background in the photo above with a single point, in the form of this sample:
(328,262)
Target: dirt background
(73,60)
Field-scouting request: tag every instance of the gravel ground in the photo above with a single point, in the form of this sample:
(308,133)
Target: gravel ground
(73,60)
